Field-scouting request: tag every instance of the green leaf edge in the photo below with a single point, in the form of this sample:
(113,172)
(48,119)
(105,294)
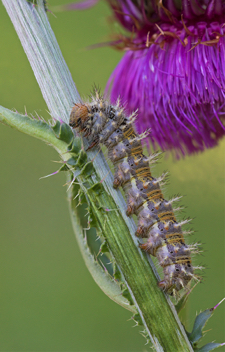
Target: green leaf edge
(208,347)
(41,130)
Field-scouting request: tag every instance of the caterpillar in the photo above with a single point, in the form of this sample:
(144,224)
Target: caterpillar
(103,123)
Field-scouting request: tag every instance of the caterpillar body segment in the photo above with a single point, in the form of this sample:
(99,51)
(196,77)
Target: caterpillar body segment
(104,123)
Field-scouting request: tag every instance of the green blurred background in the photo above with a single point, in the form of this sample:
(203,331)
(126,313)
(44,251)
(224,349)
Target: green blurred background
(48,300)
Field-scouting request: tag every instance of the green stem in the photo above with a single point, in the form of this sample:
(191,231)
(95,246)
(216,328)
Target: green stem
(157,312)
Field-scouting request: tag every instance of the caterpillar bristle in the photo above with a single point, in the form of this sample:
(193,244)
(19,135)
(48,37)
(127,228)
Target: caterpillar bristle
(174,199)
(197,278)
(153,158)
(179,210)
(107,124)
(132,118)
(162,178)
(194,248)
(188,232)
(184,222)
(199,267)
(140,137)
(118,102)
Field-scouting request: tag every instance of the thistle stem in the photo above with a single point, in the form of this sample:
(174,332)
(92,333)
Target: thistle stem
(157,312)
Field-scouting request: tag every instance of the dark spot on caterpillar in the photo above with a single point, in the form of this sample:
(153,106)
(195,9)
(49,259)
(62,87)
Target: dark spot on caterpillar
(94,109)
(107,124)
(111,113)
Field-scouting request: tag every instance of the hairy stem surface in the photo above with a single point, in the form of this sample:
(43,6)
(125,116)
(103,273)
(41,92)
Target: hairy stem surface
(157,312)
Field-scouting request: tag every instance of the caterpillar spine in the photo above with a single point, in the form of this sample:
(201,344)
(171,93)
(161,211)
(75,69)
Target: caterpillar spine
(103,123)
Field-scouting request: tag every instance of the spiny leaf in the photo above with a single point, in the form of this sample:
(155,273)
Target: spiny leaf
(116,272)
(82,159)
(105,282)
(126,294)
(56,128)
(75,146)
(64,168)
(137,319)
(87,169)
(66,133)
(209,347)
(72,161)
(93,222)
(199,324)
(63,132)
(104,247)
(97,188)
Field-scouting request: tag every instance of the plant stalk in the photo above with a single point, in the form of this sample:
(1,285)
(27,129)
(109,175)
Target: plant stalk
(156,310)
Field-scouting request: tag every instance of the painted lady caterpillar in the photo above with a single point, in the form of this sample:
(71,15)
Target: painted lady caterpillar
(103,123)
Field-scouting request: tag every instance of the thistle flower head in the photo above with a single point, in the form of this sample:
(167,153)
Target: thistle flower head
(173,70)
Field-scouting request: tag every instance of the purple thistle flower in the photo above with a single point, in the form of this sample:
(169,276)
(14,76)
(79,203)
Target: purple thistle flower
(173,70)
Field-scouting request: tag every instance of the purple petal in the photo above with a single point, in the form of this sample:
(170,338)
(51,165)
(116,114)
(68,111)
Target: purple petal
(178,90)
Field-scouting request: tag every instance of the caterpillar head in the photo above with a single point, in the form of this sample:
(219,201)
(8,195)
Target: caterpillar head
(79,116)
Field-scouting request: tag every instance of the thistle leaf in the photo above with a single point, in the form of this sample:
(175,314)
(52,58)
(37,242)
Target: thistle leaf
(209,347)
(63,132)
(197,332)
(104,281)
(75,146)
(199,324)
(137,319)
